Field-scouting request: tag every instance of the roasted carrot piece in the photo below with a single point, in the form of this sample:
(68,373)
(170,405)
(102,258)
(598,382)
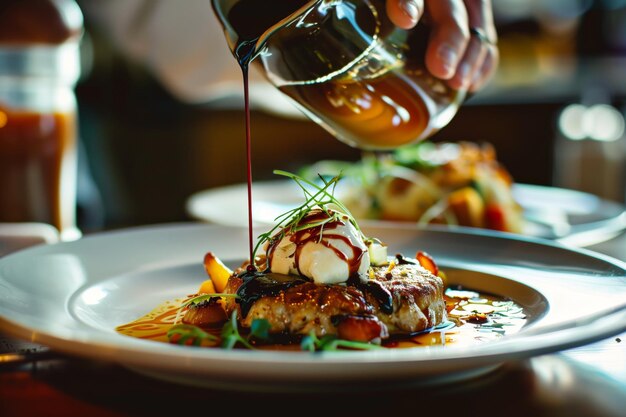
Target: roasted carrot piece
(427,262)
(217,271)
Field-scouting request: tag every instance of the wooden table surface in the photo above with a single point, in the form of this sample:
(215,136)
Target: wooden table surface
(585,381)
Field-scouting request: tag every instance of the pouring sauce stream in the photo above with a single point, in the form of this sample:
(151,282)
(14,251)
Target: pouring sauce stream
(250,19)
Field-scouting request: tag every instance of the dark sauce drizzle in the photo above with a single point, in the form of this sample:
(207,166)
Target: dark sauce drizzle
(244,54)
(263,284)
(401,260)
(249,20)
(322,235)
(380,293)
(257,285)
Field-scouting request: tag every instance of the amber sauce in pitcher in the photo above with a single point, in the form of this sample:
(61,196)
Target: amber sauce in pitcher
(383,109)
(368,120)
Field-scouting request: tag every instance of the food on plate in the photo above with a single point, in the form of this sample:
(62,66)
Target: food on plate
(320,275)
(455,183)
(325,291)
(317,282)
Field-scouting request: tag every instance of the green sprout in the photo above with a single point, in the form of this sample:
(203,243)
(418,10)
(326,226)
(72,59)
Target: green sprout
(181,334)
(316,197)
(330,342)
(231,336)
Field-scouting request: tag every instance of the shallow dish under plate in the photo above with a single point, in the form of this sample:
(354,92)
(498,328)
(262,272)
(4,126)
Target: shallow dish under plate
(71,296)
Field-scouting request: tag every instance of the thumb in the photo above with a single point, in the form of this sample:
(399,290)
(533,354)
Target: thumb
(405,13)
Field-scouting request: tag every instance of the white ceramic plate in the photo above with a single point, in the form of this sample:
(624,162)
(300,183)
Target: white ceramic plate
(71,296)
(572,217)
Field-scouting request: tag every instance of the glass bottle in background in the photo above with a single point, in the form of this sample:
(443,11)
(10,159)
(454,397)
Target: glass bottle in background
(39,67)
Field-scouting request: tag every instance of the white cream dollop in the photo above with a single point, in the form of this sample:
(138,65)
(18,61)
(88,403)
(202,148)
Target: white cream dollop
(327,254)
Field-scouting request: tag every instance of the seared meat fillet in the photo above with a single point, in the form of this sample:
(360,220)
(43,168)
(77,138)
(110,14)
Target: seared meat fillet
(404,298)
(417,298)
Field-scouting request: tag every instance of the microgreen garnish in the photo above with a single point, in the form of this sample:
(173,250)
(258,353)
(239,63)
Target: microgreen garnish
(316,197)
(330,342)
(230,332)
(185,334)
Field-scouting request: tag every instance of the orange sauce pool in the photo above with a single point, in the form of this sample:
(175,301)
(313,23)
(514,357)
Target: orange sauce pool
(155,324)
(477,318)
(472,318)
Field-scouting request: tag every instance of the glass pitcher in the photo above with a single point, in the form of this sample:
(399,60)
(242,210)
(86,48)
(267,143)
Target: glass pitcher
(345,65)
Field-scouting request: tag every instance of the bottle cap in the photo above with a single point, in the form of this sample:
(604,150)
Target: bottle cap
(40,39)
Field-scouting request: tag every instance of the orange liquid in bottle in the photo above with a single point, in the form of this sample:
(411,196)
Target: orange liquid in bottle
(34,148)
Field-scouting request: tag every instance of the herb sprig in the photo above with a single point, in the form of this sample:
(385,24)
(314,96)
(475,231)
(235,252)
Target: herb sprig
(187,334)
(330,342)
(230,337)
(316,197)
(259,329)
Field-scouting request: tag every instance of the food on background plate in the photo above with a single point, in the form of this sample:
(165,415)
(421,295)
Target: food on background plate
(317,282)
(455,183)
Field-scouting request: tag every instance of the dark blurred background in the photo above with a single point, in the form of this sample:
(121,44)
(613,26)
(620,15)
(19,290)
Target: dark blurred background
(554,112)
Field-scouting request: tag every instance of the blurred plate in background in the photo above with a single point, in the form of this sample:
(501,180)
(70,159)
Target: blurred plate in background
(569,216)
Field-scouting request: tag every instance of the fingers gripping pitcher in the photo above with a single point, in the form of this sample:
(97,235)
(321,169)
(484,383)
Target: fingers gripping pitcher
(345,65)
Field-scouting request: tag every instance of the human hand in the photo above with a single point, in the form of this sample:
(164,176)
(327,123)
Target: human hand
(462,47)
